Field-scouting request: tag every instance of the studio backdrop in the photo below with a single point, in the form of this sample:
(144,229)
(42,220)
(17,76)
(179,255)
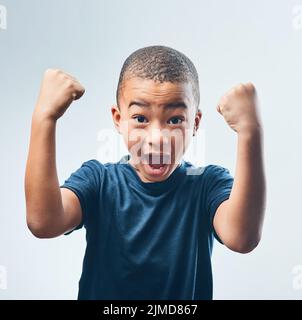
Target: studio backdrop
(230,42)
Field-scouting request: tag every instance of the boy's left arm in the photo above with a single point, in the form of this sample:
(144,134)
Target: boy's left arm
(238,220)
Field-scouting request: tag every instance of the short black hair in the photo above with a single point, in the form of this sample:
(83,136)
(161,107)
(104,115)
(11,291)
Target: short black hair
(160,63)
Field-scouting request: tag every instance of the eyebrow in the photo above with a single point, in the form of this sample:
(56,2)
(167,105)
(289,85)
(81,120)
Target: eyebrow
(171,105)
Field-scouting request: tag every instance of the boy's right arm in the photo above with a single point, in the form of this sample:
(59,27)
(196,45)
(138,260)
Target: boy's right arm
(50,210)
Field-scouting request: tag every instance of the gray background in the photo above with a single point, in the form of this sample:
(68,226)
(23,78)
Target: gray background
(229,42)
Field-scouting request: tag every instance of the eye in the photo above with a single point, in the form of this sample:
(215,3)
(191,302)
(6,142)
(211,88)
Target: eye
(140,119)
(176,120)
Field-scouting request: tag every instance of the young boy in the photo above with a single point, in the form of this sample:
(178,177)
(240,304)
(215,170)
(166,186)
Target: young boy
(151,217)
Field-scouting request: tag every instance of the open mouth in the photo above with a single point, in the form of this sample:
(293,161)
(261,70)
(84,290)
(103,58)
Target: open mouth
(156,170)
(156,164)
(156,160)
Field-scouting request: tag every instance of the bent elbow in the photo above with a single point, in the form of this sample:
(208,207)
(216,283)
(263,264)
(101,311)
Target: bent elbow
(245,246)
(39,231)
(36,231)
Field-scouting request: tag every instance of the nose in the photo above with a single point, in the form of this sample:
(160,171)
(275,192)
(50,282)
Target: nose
(157,140)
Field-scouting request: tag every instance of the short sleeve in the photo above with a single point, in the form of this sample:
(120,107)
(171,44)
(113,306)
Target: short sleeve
(219,184)
(84,182)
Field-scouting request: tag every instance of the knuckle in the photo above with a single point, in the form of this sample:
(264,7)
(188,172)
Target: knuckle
(52,72)
(64,77)
(57,71)
(69,83)
(250,86)
(49,72)
(240,87)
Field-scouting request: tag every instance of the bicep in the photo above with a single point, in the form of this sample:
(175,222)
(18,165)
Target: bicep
(72,209)
(220,221)
(226,226)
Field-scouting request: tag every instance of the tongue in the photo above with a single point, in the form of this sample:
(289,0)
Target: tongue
(156,166)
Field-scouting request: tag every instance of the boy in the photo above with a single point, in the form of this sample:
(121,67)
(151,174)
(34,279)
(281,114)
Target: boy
(151,217)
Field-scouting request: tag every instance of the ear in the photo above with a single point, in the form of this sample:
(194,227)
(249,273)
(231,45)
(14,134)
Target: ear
(197,120)
(116,117)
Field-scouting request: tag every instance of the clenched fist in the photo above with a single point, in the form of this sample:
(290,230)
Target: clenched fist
(58,90)
(239,108)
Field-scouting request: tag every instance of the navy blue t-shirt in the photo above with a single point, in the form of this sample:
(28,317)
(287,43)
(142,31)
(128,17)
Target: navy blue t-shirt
(148,240)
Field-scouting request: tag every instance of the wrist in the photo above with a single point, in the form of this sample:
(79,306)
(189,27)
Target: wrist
(251,134)
(43,116)
(249,130)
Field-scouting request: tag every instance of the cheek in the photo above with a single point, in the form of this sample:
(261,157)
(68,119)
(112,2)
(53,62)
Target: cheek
(180,139)
(133,137)
(184,141)
(188,139)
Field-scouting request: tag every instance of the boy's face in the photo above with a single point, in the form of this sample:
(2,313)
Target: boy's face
(157,121)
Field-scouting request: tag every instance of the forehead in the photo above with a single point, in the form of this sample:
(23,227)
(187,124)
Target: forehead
(156,92)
